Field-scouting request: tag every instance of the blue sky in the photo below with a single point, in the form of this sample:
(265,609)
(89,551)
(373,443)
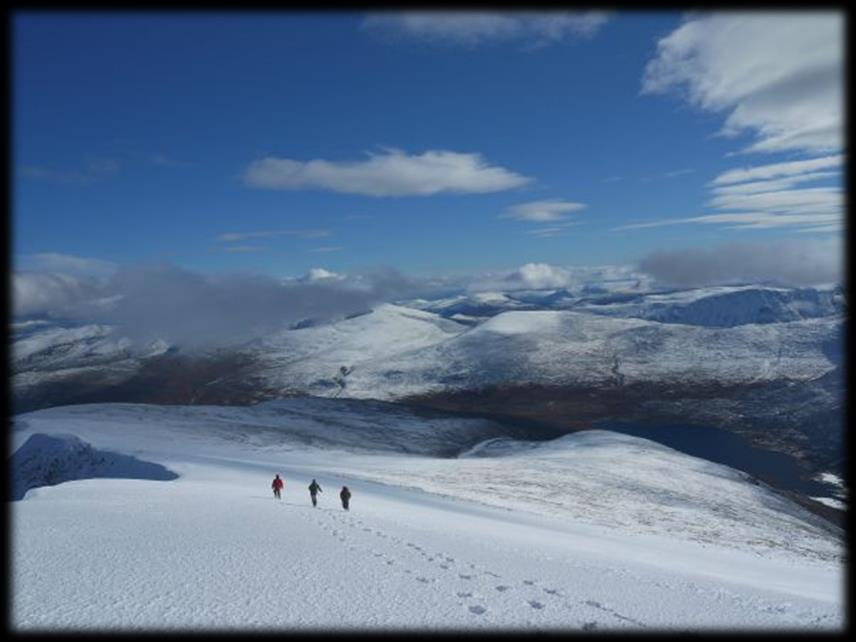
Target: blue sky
(276,143)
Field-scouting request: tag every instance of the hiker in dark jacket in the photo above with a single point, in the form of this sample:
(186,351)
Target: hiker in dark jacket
(345,496)
(314,489)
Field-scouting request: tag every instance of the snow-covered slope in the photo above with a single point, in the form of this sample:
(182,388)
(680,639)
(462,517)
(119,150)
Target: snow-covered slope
(47,460)
(590,531)
(312,358)
(47,352)
(560,348)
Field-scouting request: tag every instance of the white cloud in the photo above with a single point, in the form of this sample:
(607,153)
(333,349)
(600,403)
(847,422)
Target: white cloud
(475,28)
(391,173)
(320,274)
(777,170)
(37,293)
(542,211)
(778,76)
(541,276)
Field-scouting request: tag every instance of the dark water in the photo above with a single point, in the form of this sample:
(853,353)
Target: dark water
(723,447)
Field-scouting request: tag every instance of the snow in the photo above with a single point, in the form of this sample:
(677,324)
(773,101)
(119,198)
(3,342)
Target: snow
(726,306)
(391,360)
(490,547)
(832,503)
(47,460)
(725,335)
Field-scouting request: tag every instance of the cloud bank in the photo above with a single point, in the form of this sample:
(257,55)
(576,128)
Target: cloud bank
(778,76)
(391,173)
(163,301)
(788,263)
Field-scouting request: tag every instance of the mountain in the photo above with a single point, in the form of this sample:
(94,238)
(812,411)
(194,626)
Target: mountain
(762,361)
(589,531)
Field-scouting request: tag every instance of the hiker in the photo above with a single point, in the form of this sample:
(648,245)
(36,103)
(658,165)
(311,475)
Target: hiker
(277,486)
(345,496)
(314,489)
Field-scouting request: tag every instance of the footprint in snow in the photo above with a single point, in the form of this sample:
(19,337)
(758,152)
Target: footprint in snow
(450,559)
(535,604)
(424,580)
(502,588)
(463,594)
(389,562)
(478,610)
(589,626)
(464,576)
(529,582)
(444,567)
(552,591)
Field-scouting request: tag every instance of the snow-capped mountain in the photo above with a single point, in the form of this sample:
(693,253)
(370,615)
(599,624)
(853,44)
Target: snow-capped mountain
(392,354)
(765,362)
(590,531)
(724,306)
(716,306)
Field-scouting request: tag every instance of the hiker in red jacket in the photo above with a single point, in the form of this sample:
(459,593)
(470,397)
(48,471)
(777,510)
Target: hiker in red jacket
(277,486)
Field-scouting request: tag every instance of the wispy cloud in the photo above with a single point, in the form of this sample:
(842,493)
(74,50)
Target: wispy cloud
(390,173)
(666,175)
(243,249)
(166,161)
(231,237)
(767,196)
(777,170)
(94,169)
(553,231)
(542,211)
(473,28)
(76,266)
(789,97)
(678,172)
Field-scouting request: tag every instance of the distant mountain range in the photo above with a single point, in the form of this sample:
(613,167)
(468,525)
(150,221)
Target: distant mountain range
(764,361)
